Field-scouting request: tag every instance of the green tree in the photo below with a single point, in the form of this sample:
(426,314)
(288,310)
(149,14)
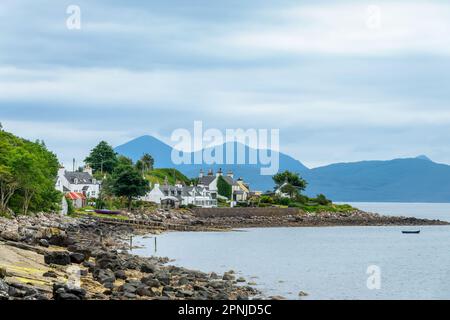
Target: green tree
(223,188)
(289,182)
(148,162)
(102,158)
(27,175)
(127,181)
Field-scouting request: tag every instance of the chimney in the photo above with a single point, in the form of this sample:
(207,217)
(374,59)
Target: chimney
(201,173)
(230,174)
(219,173)
(61,171)
(210,172)
(87,169)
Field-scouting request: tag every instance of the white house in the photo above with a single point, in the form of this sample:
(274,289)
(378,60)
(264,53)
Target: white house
(187,195)
(78,182)
(240,190)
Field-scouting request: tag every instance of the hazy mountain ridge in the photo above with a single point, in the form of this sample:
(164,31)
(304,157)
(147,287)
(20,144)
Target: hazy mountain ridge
(399,180)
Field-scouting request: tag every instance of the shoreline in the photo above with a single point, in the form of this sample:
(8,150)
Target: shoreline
(37,251)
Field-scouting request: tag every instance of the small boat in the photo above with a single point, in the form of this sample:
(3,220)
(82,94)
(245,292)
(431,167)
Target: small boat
(107,212)
(411,232)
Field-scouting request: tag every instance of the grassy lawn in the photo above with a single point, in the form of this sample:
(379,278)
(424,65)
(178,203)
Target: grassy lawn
(82,213)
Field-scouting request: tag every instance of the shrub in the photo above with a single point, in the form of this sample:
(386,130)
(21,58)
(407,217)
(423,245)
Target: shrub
(322,200)
(266,199)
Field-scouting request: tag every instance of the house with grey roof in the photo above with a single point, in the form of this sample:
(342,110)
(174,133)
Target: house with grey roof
(186,195)
(78,182)
(240,190)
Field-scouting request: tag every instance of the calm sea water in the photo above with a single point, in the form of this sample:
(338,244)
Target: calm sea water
(325,262)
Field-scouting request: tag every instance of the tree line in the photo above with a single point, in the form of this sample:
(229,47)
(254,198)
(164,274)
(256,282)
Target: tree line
(28,172)
(121,177)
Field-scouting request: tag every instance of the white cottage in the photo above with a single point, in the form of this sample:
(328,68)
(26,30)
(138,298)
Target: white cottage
(78,182)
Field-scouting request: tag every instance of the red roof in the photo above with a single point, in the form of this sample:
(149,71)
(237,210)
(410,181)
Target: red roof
(75,196)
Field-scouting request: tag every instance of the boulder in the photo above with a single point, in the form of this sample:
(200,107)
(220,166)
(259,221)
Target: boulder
(120,274)
(104,276)
(3,273)
(183,281)
(44,243)
(58,257)
(151,282)
(4,287)
(50,274)
(4,296)
(76,257)
(228,276)
(63,292)
(148,268)
(145,292)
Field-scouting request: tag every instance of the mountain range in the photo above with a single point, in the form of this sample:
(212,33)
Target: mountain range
(400,180)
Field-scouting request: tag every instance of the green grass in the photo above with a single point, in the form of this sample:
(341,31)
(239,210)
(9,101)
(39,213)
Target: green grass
(81,214)
(338,208)
(173,175)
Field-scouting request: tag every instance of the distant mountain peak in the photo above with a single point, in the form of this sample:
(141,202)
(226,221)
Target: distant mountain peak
(423,157)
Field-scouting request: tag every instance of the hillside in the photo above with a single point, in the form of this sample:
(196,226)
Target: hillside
(398,180)
(173,175)
(161,152)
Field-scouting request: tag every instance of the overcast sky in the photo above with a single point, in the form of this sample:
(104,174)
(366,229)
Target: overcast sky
(339,83)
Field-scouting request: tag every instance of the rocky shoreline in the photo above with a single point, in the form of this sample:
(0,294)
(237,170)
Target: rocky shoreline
(48,256)
(61,258)
(211,222)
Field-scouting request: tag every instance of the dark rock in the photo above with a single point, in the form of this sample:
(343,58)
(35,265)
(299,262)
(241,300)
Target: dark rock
(57,257)
(222,296)
(76,257)
(50,274)
(63,292)
(199,288)
(164,278)
(186,293)
(152,283)
(3,286)
(128,287)
(228,276)
(148,268)
(108,261)
(59,240)
(16,293)
(44,243)
(214,275)
(129,295)
(3,273)
(168,289)
(144,291)
(66,296)
(120,274)
(104,276)
(3,296)
(241,279)
(183,281)
(109,285)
